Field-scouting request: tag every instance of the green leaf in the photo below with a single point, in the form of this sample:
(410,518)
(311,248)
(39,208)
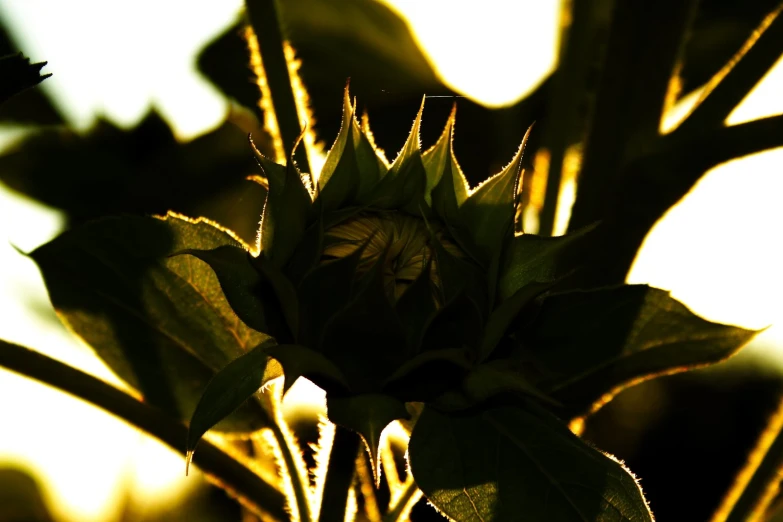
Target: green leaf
(365,339)
(258,293)
(451,191)
(496,377)
(509,464)
(403,186)
(240,281)
(456,275)
(301,361)
(228,390)
(538,259)
(283,289)
(429,375)
(339,178)
(371,167)
(307,253)
(489,209)
(110,174)
(18,74)
(439,157)
(591,343)
(367,415)
(286,210)
(161,323)
(324,291)
(459,324)
(417,306)
(505,314)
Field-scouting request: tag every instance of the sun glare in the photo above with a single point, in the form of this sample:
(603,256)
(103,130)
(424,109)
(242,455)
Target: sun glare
(494,53)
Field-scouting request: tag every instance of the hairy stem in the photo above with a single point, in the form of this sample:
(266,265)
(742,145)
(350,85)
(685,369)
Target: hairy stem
(295,471)
(226,471)
(265,22)
(410,495)
(758,482)
(339,477)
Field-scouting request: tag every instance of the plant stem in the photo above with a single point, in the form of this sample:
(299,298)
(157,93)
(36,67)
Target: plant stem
(367,487)
(735,80)
(220,468)
(265,21)
(757,484)
(339,476)
(573,86)
(411,494)
(295,471)
(645,43)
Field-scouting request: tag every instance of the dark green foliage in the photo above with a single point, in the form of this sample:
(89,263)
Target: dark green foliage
(397,287)
(617,335)
(506,463)
(160,322)
(145,170)
(228,390)
(18,74)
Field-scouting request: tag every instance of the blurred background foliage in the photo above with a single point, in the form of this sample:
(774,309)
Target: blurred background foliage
(685,435)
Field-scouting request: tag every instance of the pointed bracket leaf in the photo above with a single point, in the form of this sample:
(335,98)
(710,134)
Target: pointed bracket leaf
(489,209)
(509,464)
(367,415)
(226,392)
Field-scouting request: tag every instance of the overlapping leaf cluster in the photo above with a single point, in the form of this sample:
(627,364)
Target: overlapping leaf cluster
(386,285)
(476,326)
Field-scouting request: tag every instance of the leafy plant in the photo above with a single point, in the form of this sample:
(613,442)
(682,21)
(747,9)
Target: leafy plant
(409,296)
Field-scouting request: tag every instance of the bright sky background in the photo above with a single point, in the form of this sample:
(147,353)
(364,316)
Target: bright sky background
(719,251)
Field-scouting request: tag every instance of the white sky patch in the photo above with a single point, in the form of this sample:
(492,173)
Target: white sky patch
(118,58)
(494,52)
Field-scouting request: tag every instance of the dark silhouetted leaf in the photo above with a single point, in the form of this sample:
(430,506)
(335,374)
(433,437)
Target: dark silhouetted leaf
(228,390)
(239,280)
(161,323)
(509,464)
(286,209)
(301,361)
(18,74)
(538,259)
(592,342)
(486,214)
(404,184)
(340,176)
(367,415)
(144,170)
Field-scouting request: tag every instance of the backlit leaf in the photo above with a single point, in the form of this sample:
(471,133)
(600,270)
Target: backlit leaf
(510,464)
(539,259)
(286,210)
(367,415)
(489,209)
(339,178)
(592,342)
(161,323)
(228,390)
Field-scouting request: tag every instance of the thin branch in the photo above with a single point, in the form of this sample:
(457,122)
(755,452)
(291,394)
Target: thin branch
(757,484)
(645,46)
(224,470)
(656,182)
(735,80)
(264,19)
